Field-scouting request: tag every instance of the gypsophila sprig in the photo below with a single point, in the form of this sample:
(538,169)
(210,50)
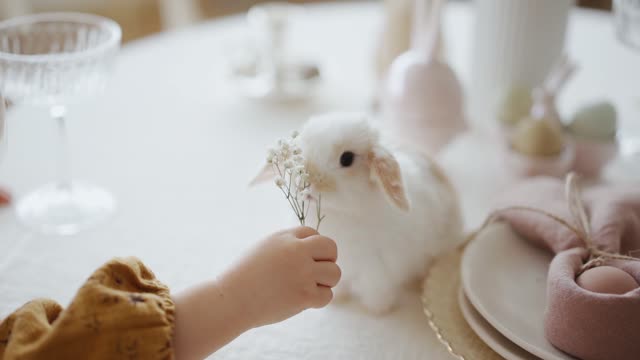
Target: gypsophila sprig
(292,178)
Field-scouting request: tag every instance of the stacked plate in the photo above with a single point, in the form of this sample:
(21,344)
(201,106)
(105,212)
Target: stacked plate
(503,294)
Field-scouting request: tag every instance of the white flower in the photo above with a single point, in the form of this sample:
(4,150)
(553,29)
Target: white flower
(299,169)
(289,162)
(284,154)
(270,156)
(306,194)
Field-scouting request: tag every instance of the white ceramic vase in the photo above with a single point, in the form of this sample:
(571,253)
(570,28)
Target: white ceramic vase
(516,43)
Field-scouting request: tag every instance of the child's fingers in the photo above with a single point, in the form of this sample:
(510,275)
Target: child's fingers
(303,232)
(323,297)
(322,248)
(327,273)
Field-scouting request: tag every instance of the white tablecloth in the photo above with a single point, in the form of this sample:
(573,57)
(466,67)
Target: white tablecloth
(177,147)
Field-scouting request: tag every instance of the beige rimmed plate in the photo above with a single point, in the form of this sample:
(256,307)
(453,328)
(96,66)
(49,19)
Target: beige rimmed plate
(504,278)
(488,334)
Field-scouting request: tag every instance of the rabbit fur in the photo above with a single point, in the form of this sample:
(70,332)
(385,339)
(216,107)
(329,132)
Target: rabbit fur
(391,211)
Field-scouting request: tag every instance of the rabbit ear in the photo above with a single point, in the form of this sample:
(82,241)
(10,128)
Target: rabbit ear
(385,169)
(265,174)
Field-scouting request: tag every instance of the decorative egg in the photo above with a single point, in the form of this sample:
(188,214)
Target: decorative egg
(607,280)
(537,137)
(595,122)
(515,105)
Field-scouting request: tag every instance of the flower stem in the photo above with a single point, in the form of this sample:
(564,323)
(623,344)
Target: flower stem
(318,214)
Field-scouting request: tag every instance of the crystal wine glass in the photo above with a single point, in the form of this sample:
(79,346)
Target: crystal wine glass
(273,76)
(52,60)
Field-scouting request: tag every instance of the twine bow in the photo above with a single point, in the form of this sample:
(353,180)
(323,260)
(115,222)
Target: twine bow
(581,226)
(597,257)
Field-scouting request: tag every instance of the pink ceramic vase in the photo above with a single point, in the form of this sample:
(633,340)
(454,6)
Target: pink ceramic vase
(423,100)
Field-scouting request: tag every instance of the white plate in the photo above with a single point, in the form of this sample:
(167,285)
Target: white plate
(496,341)
(505,278)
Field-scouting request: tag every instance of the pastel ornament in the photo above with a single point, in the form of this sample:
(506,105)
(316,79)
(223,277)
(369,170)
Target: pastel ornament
(423,101)
(595,122)
(593,129)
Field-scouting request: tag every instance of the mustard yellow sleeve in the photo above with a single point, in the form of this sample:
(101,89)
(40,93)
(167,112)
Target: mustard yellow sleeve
(121,312)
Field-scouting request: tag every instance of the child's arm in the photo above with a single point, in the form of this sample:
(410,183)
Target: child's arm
(287,273)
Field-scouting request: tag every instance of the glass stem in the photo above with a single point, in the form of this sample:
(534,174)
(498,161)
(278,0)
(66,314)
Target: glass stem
(58,113)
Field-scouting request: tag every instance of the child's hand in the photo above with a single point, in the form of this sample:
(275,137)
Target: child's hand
(285,274)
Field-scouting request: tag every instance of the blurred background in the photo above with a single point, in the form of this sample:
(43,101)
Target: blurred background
(140,18)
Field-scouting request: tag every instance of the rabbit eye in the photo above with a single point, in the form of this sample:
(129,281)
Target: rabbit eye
(346,159)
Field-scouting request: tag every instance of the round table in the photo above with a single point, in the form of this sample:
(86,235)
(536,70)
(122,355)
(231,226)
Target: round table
(178,146)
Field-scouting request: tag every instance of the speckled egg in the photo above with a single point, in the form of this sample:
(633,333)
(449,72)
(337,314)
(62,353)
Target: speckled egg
(595,122)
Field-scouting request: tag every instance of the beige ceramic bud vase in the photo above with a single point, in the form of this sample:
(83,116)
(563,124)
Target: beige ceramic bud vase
(536,145)
(395,35)
(423,99)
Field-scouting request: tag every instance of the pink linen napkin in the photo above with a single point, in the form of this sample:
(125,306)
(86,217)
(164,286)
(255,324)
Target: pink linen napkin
(588,325)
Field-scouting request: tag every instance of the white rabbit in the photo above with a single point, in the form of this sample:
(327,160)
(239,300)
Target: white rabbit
(389,210)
